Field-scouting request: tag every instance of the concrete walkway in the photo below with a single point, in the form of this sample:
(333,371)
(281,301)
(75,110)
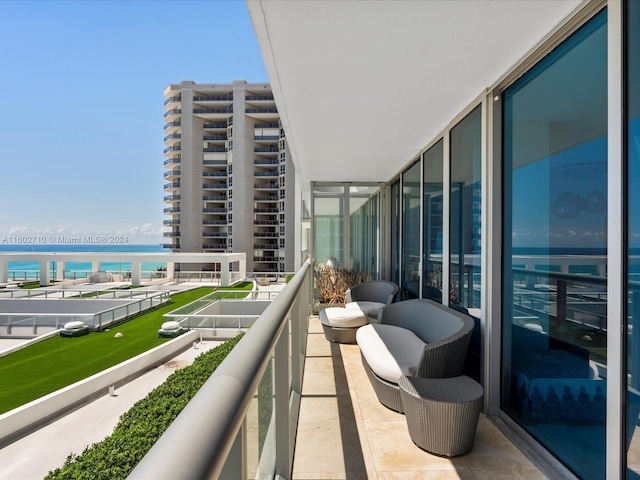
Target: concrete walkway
(34,455)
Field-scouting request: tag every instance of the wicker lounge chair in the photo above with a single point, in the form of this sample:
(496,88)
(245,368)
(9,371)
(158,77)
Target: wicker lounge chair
(364,301)
(418,338)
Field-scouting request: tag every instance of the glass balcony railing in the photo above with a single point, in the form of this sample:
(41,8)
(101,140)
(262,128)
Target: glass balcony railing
(214,126)
(175,148)
(266,161)
(213,98)
(256,98)
(265,198)
(169,161)
(214,138)
(215,149)
(171,198)
(266,186)
(212,110)
(265,150)
(169,186)
(175,111)
(261,110)
(172,173)
(214,162)
(169,100)
(265,235)
(261,374)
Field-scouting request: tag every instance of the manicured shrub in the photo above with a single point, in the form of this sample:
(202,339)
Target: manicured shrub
(140,427)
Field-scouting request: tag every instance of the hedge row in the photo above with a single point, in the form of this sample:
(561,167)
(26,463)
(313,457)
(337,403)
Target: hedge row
(140,427)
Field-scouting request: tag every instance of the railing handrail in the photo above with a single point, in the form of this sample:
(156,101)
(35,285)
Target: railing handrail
(188,451)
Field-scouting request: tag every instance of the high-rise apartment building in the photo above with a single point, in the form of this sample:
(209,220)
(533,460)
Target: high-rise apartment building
(230,179)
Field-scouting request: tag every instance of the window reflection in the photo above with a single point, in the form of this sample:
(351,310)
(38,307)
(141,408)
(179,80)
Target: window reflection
(411,232)
(433,211)
(465,212)
(555,250)
(633,208)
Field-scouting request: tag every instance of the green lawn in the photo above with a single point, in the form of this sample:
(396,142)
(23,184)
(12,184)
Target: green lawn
(47,366)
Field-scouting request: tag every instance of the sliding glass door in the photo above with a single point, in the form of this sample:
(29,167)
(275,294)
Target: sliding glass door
(554,332)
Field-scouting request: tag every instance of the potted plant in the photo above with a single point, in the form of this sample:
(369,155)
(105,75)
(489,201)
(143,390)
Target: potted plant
(331,284)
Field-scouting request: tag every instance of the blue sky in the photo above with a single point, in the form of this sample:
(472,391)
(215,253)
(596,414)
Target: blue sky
(81,131)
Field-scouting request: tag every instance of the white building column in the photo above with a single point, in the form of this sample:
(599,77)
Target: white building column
(242,268)
(4,271)
(136,268)
(95,266)
(224,272)
(45,274)
(60,270)
(170,270)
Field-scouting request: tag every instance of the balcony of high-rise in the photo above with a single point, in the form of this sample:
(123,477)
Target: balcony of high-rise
(214,126)
(217,210)
(213,113)
(264,185)
(266,198)
(211,98)
(215,246)
(215,162)
(172,102)
(262,113)
(172,115)
(220,222)
(172,139)
(172,127)
(215,186)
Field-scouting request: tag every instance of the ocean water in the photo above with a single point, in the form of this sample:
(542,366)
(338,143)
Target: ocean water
(79,269)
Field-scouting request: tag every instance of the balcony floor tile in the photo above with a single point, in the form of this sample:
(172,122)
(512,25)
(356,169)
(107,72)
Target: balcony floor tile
(344,432)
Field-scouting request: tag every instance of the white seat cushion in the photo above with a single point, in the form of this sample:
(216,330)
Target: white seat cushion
(343,317)
(390,351)
(169,326)
(370,309)
(76,325)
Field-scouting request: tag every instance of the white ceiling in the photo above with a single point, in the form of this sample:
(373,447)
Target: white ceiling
(363,85)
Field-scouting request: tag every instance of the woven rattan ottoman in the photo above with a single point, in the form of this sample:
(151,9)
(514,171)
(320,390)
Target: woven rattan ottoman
(442,413)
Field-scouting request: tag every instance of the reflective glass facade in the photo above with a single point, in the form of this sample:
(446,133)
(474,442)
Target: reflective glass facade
(433,204)
(554,322)
(411,209)
(465,211)
(633,236)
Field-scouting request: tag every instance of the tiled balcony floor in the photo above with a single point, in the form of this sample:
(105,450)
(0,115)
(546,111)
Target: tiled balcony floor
(344,432)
